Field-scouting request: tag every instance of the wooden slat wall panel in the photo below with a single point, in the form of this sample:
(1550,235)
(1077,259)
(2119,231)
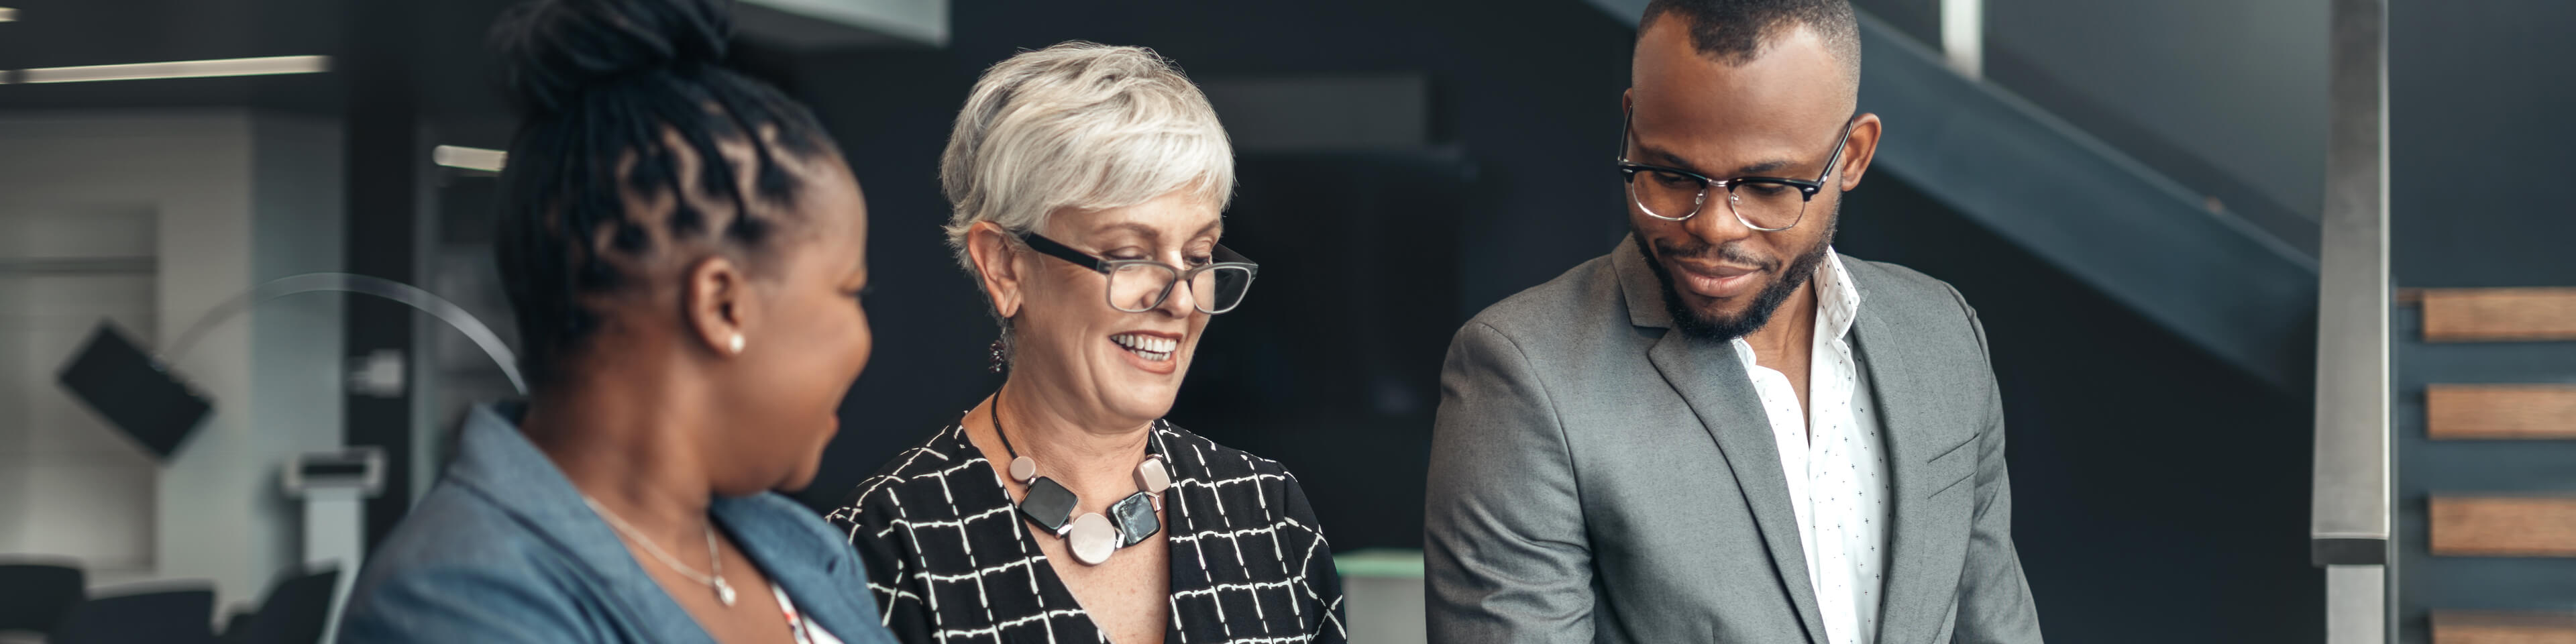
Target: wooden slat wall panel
(2535,526)
(2500,411)
(2491,627)
(2499,314)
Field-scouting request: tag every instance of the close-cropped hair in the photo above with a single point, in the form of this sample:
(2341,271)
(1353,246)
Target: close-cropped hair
(1081,126)
(1734,32)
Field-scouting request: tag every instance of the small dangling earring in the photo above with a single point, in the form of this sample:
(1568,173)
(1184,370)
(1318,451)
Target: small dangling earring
(1001,355)
(736,344)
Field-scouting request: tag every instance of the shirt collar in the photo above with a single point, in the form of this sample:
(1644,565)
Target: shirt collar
(511,474)
(1837,299)
(1837,305)
(492,456)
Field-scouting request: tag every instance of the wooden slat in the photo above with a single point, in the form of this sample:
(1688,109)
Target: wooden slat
(2500,411)
(2503,627)
(2532,526)
(2499,314)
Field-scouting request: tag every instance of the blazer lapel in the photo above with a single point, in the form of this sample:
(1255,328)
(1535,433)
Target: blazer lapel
(1919,587)
(1712,381)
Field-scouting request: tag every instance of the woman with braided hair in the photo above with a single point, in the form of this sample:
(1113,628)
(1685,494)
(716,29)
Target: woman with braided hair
(684,249)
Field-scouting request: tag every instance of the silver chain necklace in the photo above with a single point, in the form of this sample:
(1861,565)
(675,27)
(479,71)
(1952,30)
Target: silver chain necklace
(724,591)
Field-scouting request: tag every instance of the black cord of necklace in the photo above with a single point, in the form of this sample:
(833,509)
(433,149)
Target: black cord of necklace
(997,425)
(1006,434)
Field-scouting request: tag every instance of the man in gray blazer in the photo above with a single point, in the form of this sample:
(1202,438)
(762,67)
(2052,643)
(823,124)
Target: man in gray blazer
(1722,431)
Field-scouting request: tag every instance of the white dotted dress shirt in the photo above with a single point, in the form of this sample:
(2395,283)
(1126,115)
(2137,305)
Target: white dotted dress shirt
(1835,461)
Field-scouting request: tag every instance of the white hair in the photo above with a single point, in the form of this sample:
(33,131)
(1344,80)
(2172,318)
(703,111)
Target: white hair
(1078,125)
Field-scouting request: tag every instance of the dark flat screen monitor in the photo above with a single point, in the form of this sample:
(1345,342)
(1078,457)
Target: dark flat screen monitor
(133,391)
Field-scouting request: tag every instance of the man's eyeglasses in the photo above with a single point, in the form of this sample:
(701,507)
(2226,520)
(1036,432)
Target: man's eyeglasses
(1140,285)
(1762,203)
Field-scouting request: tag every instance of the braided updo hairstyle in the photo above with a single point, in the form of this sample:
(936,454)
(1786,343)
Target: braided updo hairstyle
(612,94)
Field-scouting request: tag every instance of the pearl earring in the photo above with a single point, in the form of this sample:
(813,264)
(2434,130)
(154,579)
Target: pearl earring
(736,345)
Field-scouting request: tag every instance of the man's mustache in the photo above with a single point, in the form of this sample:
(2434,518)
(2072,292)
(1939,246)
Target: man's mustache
(1732,253)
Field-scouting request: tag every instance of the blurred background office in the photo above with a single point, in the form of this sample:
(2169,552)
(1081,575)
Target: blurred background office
(2239,226)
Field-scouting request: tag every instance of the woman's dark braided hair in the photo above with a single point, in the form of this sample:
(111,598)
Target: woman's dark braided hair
(605,88)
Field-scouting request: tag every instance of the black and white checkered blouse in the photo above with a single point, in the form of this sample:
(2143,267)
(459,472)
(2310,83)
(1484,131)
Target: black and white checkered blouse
(949,561)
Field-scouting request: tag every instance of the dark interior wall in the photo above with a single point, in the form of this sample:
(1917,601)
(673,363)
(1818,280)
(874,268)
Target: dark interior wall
(2159,495)
(63,33)
(2227,97)
(2478,97)
(2224,97)
(2478,127)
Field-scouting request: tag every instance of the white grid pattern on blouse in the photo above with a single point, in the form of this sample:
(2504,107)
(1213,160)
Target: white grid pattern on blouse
(1288,590)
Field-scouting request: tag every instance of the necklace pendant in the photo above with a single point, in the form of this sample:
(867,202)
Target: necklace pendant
(1092,539)
(1151,477)
(1023,469)
(724,592)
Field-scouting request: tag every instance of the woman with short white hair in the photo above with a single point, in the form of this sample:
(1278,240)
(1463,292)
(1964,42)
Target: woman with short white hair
(1087,183)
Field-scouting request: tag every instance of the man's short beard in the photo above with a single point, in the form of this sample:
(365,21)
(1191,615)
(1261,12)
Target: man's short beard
(1765,303)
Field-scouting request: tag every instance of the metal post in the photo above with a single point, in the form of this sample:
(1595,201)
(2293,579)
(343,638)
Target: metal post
(1963,36)
(2349,521)
(383,168)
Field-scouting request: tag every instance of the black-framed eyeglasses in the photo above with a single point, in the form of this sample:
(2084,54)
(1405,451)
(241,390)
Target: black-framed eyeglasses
(1761,203)
(1140,285)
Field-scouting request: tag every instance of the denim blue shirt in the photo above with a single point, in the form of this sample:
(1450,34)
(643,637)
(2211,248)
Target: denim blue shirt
(504,550)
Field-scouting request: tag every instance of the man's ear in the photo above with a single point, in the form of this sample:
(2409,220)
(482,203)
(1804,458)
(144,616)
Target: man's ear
(718,304)
(1858,152)
(990,248)
(1627,101)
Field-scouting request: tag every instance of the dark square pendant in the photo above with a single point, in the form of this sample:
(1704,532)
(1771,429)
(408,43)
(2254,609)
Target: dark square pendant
(1135,518)
(1049,505)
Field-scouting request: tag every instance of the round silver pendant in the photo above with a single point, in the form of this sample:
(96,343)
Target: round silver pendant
(1151,477)
(1092,538)
(1023,469)
(724,591)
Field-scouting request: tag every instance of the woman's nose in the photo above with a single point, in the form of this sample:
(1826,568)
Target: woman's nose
(1182,301)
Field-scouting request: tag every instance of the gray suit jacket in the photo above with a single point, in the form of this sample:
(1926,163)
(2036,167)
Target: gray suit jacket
(1595,477)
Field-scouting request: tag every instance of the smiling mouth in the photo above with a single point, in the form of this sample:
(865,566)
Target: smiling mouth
(1152,348)
(1715,282)
(1716,271)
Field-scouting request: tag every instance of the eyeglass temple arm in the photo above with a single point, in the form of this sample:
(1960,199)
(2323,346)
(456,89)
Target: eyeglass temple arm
(1041,244)
(1226,255)
(1836,159)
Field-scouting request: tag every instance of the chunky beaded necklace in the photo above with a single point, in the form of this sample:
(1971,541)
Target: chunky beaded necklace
(1092,537)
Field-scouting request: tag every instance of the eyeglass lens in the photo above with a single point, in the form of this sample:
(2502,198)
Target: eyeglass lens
(1142,286)
(1678,196)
